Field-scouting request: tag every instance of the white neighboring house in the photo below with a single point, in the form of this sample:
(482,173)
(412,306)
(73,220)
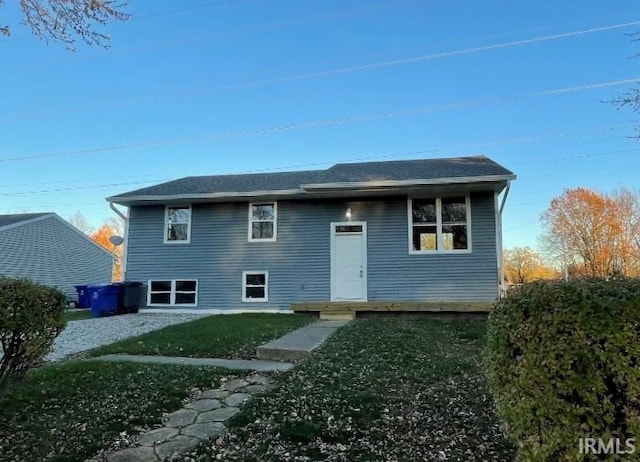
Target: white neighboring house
(48,250)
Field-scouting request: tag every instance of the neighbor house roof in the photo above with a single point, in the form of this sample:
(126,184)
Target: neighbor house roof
(341,178)
(13,221)
(19,218)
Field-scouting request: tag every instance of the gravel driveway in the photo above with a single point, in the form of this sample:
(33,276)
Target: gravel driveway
(90,333)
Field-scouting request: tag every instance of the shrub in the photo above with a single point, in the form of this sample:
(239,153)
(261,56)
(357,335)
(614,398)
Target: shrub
(31,317)
(562,359)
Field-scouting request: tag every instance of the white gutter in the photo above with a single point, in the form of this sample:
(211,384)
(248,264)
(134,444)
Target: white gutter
(504,198)
(218,195)
(499,249)
(125,218)
(313,187)
(118,212)
(405,183)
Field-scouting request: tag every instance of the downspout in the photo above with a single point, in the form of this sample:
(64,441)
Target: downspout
(500,250)
(124,218)
(504,198)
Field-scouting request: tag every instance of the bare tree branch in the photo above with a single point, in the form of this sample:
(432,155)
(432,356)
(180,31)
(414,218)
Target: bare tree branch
(67,20)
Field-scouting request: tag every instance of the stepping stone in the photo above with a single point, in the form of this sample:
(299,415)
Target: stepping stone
(257,388)
(237,399)
(204,405)
(159,435)
(258,379)
(181,418)
(176,445)
(141,454)
(234,384)
(214,394)
(219,415)
(204,430)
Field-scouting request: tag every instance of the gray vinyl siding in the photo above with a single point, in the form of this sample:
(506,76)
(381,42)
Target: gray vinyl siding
(50,252)
(299,261)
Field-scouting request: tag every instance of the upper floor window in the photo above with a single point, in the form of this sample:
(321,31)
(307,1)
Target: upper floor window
(439,224)
(177,228)
(263,221)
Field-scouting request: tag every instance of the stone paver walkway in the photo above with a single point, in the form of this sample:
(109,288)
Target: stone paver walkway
(238,364)
(204,418)
(207,416)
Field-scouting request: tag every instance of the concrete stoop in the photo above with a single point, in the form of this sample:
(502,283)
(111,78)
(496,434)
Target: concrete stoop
(198,421)
(300,343)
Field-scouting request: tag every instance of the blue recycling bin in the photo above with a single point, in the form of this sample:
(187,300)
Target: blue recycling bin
(104,299)
(84,296)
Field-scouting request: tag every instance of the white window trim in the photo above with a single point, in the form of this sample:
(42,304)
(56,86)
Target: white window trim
(275,222)
(166,224)
(244,287)
(438,225)
(172,293)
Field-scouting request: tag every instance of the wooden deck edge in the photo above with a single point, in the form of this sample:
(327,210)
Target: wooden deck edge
(337,308)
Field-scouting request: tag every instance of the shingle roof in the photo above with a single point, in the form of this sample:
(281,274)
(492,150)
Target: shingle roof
(400,170)
(6,220)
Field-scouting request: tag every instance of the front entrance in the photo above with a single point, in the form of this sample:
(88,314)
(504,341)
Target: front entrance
(349,261)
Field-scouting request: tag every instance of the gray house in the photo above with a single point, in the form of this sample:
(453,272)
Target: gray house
(378,234)
(46,249)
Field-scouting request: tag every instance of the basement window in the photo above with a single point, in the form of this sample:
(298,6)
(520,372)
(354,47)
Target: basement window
(255,286)
(172,292)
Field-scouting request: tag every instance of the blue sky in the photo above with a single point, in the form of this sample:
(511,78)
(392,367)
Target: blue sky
(213,87)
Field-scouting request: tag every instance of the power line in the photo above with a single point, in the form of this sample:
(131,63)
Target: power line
(322,123)
(535,137)
(404,154)
(344,70)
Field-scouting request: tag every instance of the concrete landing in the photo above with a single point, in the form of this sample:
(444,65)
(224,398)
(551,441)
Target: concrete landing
(237,364)
(300,343)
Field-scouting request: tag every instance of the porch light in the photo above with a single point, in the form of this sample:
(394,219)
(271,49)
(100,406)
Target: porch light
(348,214)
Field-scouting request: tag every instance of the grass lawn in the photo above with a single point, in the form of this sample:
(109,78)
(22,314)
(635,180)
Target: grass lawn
(69,412)
(221,336)
(408,390)
(77,315)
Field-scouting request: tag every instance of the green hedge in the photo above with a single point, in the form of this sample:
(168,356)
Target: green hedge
(563,363)
(31,317)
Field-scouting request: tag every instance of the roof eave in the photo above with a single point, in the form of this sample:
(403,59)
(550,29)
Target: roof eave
(317,189)
(127,200)
(380,184)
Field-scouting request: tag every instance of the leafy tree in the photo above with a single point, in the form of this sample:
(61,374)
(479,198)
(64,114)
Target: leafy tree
(521,264)
(66,20)
(101,236)
(595,234)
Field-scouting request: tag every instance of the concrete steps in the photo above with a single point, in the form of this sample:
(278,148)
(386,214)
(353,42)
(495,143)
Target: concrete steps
(300,343)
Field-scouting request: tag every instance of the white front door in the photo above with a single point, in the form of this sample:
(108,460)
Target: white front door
(349,261)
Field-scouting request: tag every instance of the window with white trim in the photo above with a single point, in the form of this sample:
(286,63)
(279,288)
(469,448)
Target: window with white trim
(177,225)
(172,292)
(263,221)
(439,224)
(255,286)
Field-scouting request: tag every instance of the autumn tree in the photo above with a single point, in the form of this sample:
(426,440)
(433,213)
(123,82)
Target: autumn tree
(522,264)
(594,233)
(66,20)
(101,236)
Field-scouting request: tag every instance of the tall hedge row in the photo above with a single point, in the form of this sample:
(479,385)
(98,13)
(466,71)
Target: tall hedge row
(563,363)
(31,317)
